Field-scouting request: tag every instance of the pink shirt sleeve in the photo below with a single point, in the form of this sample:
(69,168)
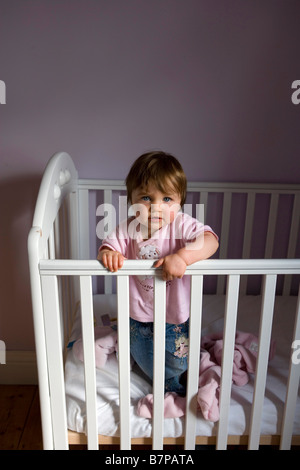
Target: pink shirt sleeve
(190,228)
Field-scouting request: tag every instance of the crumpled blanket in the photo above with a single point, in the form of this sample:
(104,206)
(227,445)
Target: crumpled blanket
(105,343)
(244,363)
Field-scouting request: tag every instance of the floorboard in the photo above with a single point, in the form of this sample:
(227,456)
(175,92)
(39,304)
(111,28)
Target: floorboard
(20,422)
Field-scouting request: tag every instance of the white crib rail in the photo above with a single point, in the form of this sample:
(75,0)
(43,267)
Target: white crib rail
(50,269)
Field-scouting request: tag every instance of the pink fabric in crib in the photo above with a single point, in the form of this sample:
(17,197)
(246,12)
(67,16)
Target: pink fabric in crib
(244,362)
(174,406)
(105,344)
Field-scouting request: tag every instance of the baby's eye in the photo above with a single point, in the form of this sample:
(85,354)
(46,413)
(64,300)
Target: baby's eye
(167,199)
(145,198)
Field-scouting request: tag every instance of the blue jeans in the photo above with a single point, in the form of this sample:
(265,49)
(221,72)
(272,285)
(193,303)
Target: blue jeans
(176,354)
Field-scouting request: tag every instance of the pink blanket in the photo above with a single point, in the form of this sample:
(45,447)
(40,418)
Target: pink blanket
(105,344)
(244,362)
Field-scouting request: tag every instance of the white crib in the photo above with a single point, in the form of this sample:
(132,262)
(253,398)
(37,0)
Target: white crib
(244,288)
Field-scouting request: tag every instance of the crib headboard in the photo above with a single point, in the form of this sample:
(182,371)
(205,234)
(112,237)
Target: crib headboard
(59,181)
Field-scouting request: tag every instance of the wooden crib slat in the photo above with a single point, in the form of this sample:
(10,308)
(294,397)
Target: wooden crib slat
(227,357)
(61,281)
(292,241)
(159,362)
(292,387)
(225,224)
(73,243)
(87,317)
(57,237)
(55,362)
(271,225)
(194,359)
(124,361)
(73,238)
(248,235)
(84,238)
(65,299)
(64,241)
(268,299)
(224,237)
(248,224)
(203,199)
(108,285)
(294,227)
(51,244)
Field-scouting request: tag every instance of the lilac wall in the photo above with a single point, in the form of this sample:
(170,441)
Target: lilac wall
(209,80)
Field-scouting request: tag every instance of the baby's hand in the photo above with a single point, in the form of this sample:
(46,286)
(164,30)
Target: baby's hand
(112,260)
(173,266)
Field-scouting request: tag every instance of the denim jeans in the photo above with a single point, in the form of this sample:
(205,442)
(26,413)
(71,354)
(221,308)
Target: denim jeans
(176,354)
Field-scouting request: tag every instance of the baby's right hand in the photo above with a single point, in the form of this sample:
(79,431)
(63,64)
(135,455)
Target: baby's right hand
(112,260)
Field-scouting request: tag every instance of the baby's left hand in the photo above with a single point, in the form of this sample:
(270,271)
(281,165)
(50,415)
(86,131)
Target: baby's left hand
(173,266)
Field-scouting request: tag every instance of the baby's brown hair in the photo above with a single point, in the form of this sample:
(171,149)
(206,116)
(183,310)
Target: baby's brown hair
(159,168)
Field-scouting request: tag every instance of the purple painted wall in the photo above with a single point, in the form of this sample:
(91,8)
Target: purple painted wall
(208,80)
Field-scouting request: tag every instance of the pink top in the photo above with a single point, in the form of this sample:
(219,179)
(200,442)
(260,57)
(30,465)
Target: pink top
(169,239)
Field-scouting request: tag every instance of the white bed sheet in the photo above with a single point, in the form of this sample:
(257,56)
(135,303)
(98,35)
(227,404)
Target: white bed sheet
(241,397)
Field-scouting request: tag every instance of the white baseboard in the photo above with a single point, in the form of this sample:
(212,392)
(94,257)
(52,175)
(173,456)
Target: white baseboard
(19,368)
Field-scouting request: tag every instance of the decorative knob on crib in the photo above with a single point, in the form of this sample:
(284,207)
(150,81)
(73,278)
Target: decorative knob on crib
(56,192)
(67,175)
(64,177)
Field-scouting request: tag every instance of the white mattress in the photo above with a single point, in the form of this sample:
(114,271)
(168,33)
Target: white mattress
(241,397)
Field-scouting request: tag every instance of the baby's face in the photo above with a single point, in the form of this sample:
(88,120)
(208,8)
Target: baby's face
(156,209)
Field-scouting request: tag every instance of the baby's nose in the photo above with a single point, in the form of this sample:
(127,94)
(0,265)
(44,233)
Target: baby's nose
(156,205)
(157,209)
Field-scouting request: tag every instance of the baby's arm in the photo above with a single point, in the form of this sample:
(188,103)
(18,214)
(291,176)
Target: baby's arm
(174,265)
(202,248)
(112,260)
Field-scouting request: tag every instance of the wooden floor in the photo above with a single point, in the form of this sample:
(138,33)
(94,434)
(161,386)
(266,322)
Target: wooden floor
(20,422)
